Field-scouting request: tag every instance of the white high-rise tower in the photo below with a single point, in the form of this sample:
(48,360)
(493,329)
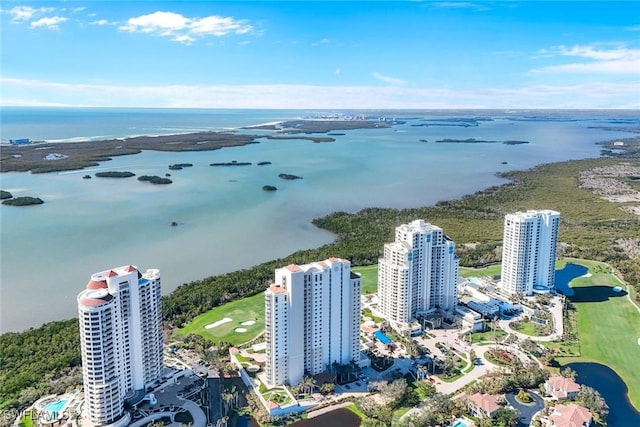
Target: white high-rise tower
(312,320)
(529,251)
(418,274)
(120,321)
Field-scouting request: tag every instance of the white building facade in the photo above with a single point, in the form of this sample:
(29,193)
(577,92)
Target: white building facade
(417,275)
(529,251)
(120,321)
(312,320)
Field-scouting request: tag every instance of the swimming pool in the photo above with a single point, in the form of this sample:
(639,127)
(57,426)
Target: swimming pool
(460,423)
(54,408)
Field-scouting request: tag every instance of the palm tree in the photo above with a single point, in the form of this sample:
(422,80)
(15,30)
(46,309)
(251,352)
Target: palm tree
(227,401)
(307,385)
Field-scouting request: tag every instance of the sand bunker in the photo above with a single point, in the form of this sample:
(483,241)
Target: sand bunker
(587,275)
(218,323)
(241,330)
(248,323)
(617,289)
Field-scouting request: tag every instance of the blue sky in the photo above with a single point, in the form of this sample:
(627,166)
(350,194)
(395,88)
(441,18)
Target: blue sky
(304,54)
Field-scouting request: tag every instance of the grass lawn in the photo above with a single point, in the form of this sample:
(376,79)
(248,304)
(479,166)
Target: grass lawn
(493,270)
(27,420)
(251,308)
(398,413)
(608,326)
(527,328)
(489,335)
(353,408)
(369,283)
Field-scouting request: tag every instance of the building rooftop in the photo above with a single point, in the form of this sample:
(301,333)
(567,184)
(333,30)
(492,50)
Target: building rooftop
(486,402)
(561,386)
(570,415)
(277,289)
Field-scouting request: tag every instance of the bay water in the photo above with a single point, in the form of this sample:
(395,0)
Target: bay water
(225,220)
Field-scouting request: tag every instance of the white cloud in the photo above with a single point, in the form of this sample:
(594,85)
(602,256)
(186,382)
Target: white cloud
(459,5)
(101,22)
(184,39)
(588,95)
(338,71)
(387,79)
(323,41)
(50,22)
(594,59)
(218,26)
(185,30)
(25,13)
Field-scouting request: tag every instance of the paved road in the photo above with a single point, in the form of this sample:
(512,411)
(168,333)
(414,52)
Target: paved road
(526,411)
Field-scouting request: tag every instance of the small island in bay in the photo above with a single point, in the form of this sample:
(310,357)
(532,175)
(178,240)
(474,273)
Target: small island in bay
(115,174)
(179,166)
(479,141)
(5,195)
(321,126)
(269,188)
(23,201)
(82,154)
(231,163)
(263,163)
(154,179)
(288,176)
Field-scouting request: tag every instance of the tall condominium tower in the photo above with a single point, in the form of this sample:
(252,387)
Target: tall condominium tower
(121,339)
(529,251)
(417,274)
(312,319)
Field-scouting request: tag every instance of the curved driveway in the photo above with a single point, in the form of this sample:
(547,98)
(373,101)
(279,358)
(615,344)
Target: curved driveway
(526,411)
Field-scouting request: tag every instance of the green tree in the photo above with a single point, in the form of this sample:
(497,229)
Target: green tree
(569,373)
(507,417)
(592,400)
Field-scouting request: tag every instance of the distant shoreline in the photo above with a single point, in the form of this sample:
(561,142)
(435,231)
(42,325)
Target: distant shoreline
(82,154)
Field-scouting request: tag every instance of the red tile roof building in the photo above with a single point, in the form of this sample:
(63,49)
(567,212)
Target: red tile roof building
(561,388)
(482,404)
(570,415)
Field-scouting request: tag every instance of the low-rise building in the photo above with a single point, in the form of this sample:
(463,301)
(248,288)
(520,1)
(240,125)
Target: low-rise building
(483,405)
(471,320)
(561,388)
(570,415)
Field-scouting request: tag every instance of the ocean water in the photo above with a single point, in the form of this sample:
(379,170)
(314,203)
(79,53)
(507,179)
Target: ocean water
(227,222)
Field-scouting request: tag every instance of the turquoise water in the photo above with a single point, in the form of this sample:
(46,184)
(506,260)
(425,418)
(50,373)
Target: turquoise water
(460,424)
(227,222)
(55,407)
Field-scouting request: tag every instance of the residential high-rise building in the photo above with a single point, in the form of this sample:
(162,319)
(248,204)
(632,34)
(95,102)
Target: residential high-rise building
(312,320)
(120,321)
(417,275)
(529,251)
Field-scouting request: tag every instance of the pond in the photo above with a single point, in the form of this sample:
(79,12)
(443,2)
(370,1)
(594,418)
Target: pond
(612,388)
(339,418)
(569,272)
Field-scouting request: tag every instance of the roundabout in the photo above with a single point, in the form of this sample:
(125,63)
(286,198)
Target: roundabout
(528,410)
